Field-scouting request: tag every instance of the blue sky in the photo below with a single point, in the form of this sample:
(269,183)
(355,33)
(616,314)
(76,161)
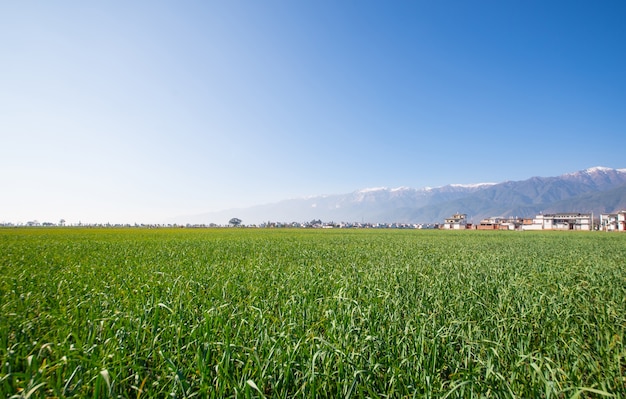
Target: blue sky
(139,111)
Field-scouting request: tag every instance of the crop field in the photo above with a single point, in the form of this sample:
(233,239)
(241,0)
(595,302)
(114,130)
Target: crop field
(140,313)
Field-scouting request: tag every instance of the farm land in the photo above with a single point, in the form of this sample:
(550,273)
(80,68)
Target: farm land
(140,313)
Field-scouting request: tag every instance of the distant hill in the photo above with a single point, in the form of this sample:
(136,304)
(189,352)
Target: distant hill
(597,190)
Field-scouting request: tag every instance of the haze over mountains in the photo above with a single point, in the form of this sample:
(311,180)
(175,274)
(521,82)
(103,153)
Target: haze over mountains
(598,190)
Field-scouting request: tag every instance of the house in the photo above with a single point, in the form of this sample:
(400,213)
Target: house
(560,221)
(489,224)
(498,223)
(613,221)
(458,221)
(535,224)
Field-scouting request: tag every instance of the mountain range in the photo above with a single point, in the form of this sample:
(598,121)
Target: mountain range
(598,190)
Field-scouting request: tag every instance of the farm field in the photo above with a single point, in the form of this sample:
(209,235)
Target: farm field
(140,313)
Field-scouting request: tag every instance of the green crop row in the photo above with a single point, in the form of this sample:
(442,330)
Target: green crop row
(311,313)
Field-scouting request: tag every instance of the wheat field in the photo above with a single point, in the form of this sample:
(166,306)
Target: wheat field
(181,313)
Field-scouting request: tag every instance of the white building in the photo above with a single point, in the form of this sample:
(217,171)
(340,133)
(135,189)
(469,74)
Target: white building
(537,224)
(613,221)
(560,221)
(458,221)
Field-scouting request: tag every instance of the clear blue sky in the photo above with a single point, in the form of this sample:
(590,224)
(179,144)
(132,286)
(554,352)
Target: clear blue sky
(117,111)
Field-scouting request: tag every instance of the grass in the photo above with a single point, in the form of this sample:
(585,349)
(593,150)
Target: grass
(309,313)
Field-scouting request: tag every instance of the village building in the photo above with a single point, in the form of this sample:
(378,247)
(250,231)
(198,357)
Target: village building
(498,223)
(613,221)
(534,224)
(488,224)
(458,221)
(560,221)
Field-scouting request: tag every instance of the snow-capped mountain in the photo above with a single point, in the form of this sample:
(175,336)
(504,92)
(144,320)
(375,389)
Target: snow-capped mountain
(597,189)
(598,177)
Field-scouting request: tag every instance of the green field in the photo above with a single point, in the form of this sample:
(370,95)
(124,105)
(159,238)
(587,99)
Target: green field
(311,313)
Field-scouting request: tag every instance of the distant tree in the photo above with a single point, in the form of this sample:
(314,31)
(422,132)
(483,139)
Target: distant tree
(234,222)
(62,222)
